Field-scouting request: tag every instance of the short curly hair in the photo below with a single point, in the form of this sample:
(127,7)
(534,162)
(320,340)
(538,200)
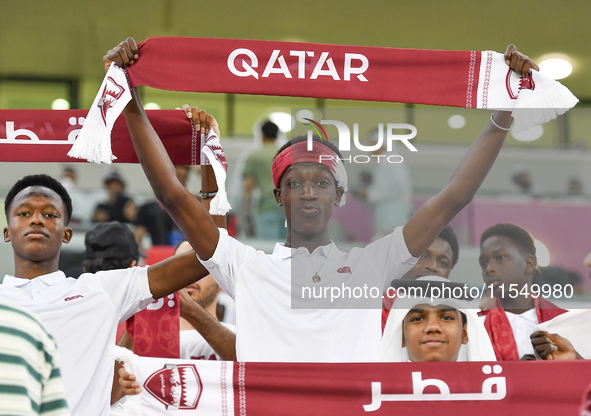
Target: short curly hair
(520,237)
(448,234)
(42,180)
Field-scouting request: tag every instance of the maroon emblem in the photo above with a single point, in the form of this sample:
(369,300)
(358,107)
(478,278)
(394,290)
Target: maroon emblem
(344,270)
(214,144)
(176,386)
(111,93)
(513,87)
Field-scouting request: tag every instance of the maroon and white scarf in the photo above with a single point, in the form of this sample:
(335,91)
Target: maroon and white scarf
(221,388)
(451,78)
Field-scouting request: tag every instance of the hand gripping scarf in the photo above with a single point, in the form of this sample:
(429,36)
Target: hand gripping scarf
(572,325)
(452,78)
(499,329)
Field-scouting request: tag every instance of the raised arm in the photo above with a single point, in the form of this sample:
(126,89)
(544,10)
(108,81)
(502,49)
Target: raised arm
(422,229)
(184,208)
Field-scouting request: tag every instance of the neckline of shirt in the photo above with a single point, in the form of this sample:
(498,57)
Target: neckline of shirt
(50,279)
(286,252)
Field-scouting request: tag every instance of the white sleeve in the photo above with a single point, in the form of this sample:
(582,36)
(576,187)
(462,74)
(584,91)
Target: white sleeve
(229,256)
(127,289)
(390,255)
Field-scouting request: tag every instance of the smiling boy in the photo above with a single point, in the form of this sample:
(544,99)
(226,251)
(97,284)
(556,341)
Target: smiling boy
(308,188)
(425,327)
(82,314)
(434,333)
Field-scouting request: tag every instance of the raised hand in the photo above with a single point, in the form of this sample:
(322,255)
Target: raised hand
(202,121)
(519,62)
(123,54)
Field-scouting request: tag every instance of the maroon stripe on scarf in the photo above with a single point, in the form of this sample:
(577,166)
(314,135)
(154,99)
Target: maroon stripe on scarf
(418,76)
(52,128)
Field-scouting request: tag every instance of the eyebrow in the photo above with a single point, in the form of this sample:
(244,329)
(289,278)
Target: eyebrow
(495,252)
(439,309)
(28,205)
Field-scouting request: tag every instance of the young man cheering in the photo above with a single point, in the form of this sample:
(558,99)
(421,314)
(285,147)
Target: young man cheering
(268,327)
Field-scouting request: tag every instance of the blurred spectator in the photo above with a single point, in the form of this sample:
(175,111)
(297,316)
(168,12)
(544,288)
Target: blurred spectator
(68,178)
(267,221)
(553,275)
(575,189)
(388,189)
(119,206)
(153,218)
(110,246)
(84,205)
(575,186)
(522,182)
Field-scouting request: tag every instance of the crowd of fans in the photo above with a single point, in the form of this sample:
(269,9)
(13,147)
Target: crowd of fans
(80,316)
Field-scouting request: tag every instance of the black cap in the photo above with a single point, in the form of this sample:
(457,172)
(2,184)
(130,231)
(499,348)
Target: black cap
(114,176)
(111,240)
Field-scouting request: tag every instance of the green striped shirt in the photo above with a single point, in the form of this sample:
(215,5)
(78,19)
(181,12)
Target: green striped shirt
(30,381)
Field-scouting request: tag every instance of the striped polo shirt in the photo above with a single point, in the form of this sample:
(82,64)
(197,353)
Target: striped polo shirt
(30,381)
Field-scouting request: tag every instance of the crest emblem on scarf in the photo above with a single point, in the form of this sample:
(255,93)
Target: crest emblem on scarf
(213,142)
(111,93)
(177,387)
(516,83)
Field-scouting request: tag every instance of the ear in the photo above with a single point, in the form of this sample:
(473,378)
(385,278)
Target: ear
(67,235)
(133,263)
(465,334)
(6,235)
(278,198)
(530,264)
(340,192)
(403,340)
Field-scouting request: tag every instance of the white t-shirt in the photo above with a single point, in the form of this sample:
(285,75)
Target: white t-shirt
(82,315)
(269,329)
(522,325)
(195,347)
